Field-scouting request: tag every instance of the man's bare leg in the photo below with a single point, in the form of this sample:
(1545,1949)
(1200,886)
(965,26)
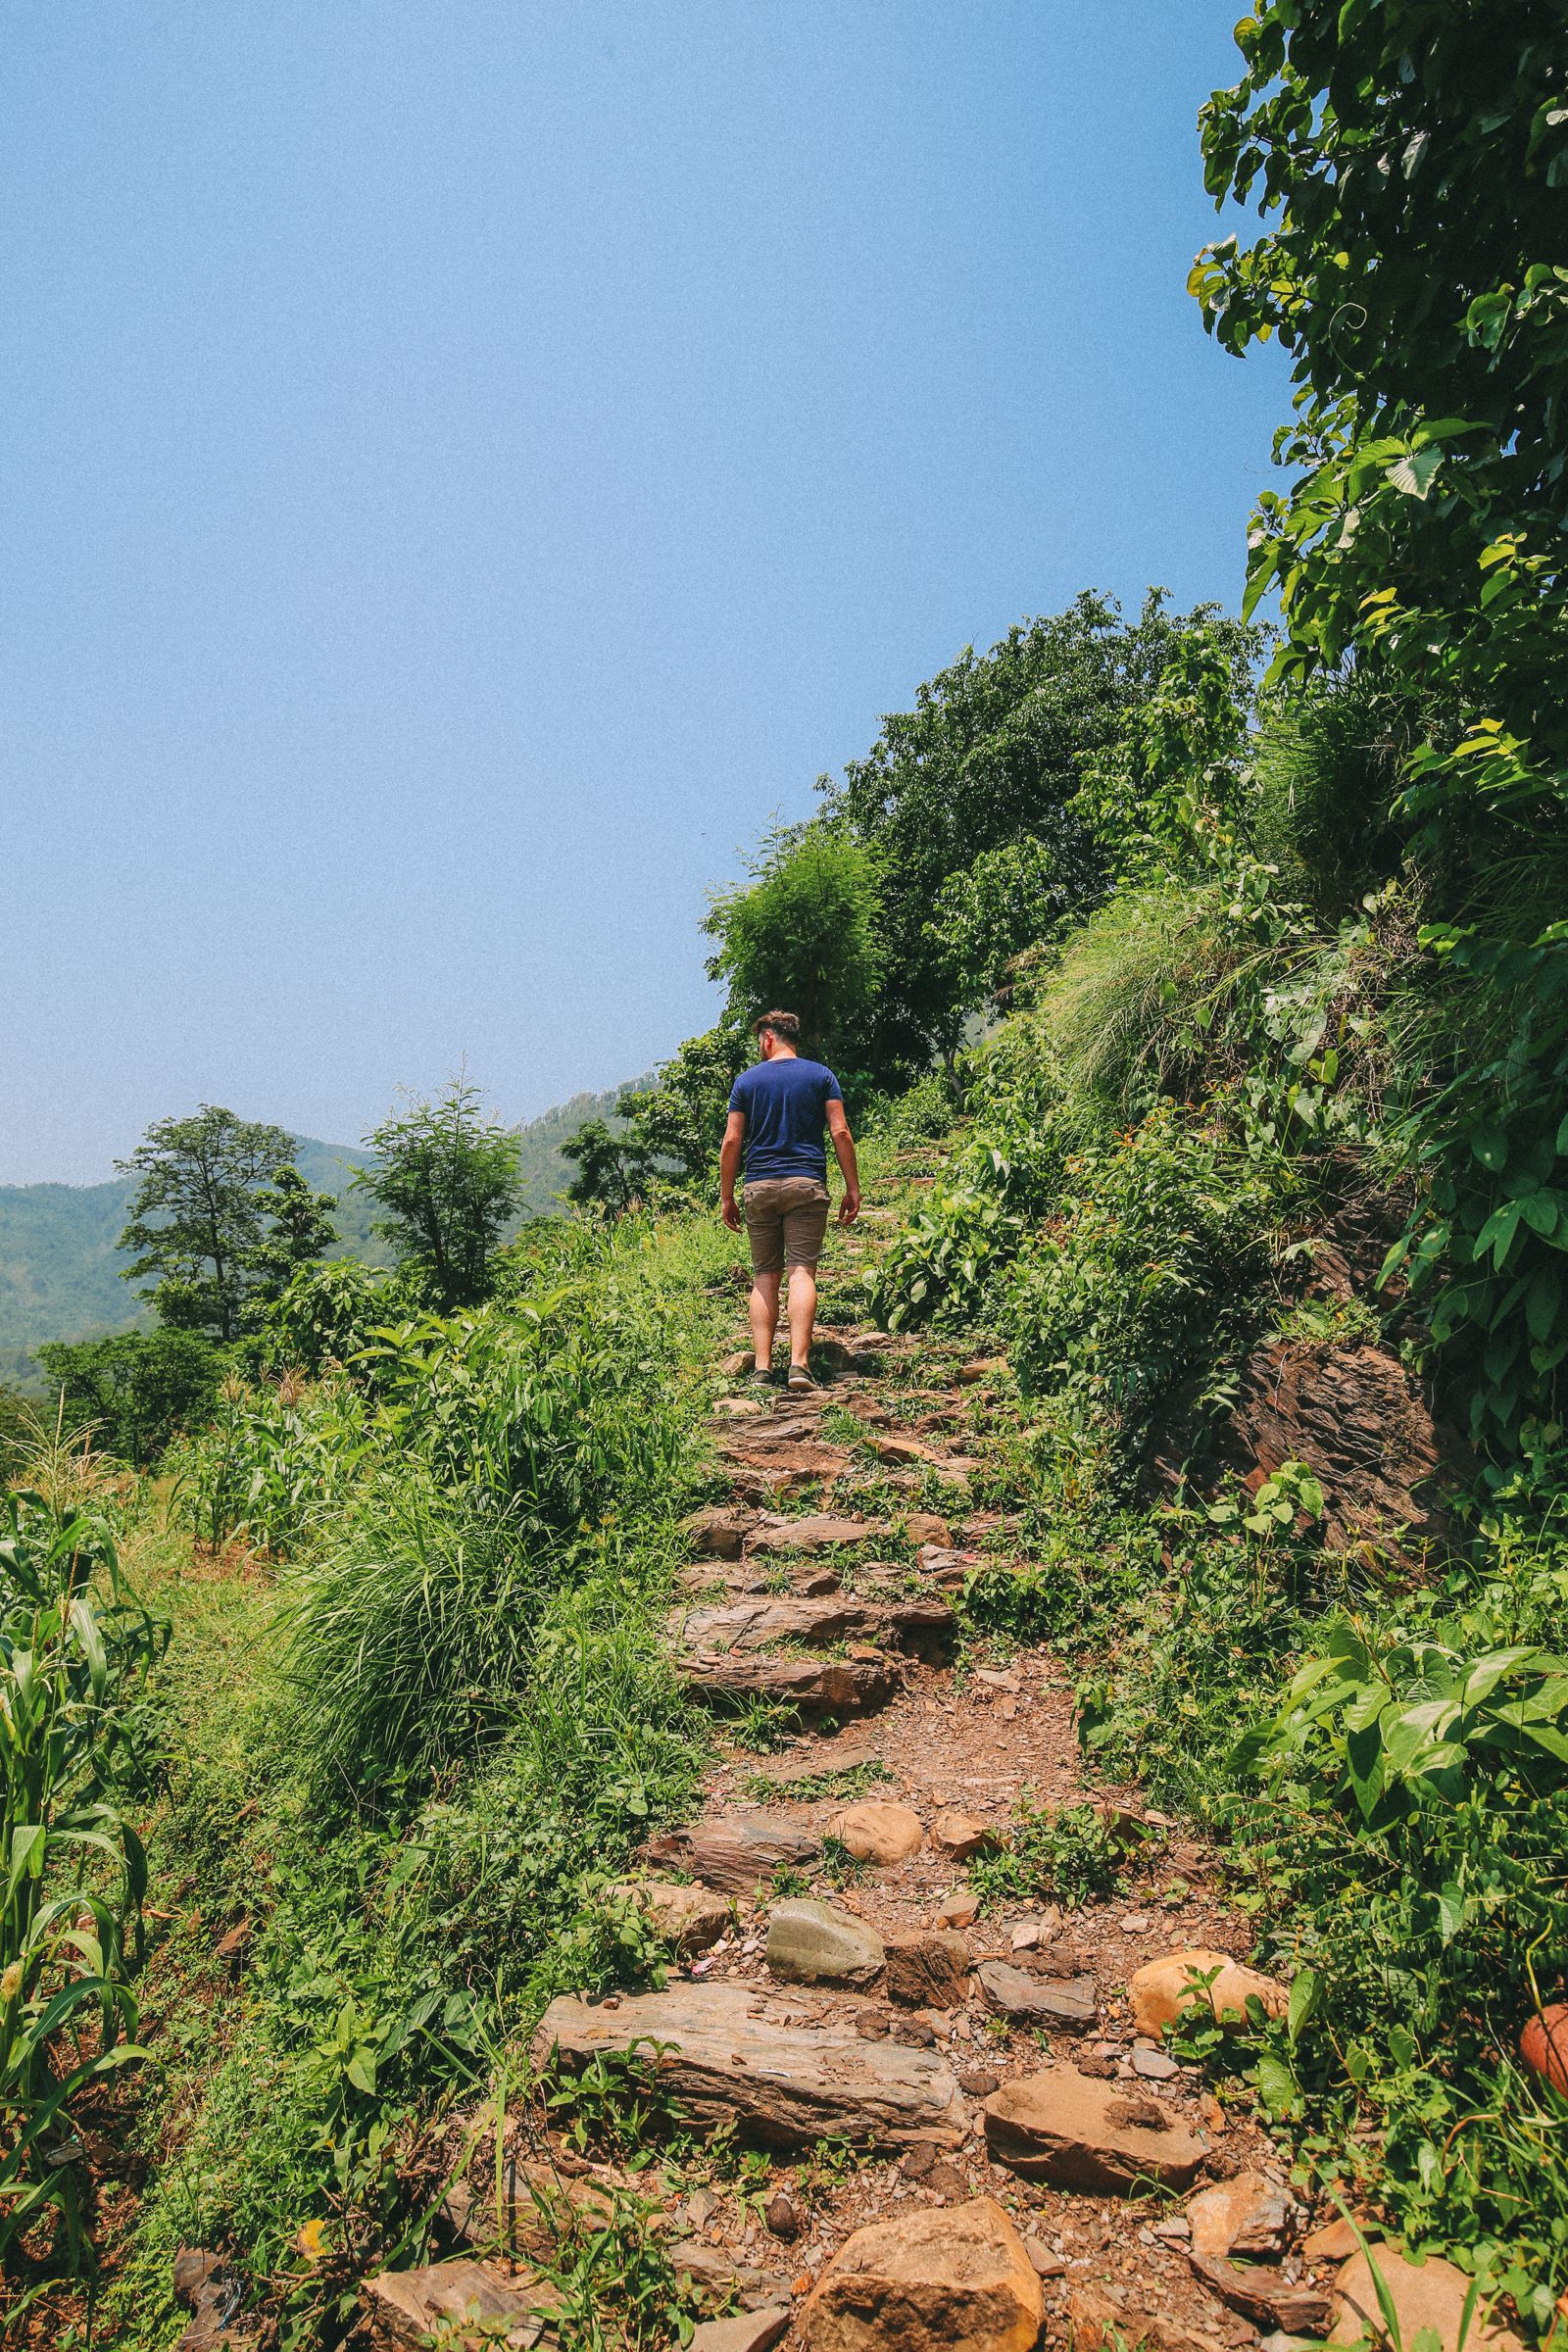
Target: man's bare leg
(762,1309)
(803,1312)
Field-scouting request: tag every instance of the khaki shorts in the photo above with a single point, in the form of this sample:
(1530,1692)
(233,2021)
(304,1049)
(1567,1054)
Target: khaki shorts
(786,1218)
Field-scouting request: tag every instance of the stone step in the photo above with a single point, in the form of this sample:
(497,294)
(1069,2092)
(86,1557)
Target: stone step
(736,1853)
(842,1687)
(819,1531)
(721,2059)
(406,2309)
(920,1628)
(1060,2125)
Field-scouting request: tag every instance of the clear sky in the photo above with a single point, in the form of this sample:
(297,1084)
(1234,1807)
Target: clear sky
(468,464)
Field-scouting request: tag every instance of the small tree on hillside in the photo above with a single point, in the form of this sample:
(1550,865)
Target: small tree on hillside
(803,933)
(448,1178)
(199,1215)
(301,1230)
(611,1169)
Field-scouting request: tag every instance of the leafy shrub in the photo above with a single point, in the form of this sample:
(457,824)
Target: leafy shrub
(137,1390)
(1414,1822)
(1067,1854)
(1151,1278)
(331,1312)
(273,1462)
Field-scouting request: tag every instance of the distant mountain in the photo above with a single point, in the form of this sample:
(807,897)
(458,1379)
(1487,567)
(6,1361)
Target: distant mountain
(60,1260)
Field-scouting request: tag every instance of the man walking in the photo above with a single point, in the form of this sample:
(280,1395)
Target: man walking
(778,1113)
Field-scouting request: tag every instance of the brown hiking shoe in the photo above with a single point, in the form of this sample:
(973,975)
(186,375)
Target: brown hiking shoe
(800,1378)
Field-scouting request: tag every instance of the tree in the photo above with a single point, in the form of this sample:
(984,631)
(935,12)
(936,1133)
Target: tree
(675,1125)
(448,1181)
(137,1390)
(611,1170)
(802,935)
(301,1230)
(991,754)
(198,1219)
(1412,159)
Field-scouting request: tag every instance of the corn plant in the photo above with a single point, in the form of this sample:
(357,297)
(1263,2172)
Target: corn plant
(74,1649)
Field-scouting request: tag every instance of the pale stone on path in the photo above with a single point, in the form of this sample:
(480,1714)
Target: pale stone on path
(876,1830)
(811,1942)
(1059,2126)
(686,1918)
(960,1909)
(784,2087)
(1162,1990)
(954,2279)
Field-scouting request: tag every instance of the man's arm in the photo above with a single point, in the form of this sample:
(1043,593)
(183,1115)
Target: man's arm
(729,1167)
(838,1127)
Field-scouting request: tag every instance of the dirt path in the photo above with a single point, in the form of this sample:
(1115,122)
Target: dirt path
(890,2071)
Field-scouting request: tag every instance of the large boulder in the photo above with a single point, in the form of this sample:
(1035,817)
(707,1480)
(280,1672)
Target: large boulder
(1164,1988)
(954,2279)
(722,2060)
(817,1944)
(1059,2126)
(1424,2294)
(1358,1420)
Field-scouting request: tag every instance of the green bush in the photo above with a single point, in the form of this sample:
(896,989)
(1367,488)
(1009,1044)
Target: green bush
(138,1389)
(1154,1277)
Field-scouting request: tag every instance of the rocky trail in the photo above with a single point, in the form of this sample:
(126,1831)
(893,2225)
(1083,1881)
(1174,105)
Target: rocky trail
(912,2110)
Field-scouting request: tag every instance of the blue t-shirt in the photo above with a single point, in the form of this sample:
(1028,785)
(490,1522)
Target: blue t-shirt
(785,1102)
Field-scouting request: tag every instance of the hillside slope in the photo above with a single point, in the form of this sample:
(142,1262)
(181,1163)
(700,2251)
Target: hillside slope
(61,1267)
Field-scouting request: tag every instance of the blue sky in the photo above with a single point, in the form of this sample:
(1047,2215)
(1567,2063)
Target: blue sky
(469,466)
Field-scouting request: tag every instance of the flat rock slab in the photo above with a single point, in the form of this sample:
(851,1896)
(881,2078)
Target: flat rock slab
(819,1531)
(1037,2000)
(838,1687)
(818,1621)
(736,1851)
(1059,2126)
(783,2087)
(955,2279)
(406,2309)
(746,2331)
(817,1943)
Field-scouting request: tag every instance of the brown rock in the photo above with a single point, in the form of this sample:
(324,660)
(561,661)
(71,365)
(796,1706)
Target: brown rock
(931,2281)
(1246,2216)
(737,1852)
(960,1909)
(1161,1990)
(1060,2127)
(717,1535)
(1358,1419)
(1047,2263)
(1037,2000)
(1336,2242)
(820,1532)
(878,1831)
(1098,2321)
(924,1527)
(687,1918)
(928,1970)
(745,2331)
(784,2087)
(782,2214)
(1427,2294)
(922,1627)
(1542,2046)
(839,1687)
(1263,2296)
(405,2309)
(963,1836)
(978,2081)
(731,1367)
